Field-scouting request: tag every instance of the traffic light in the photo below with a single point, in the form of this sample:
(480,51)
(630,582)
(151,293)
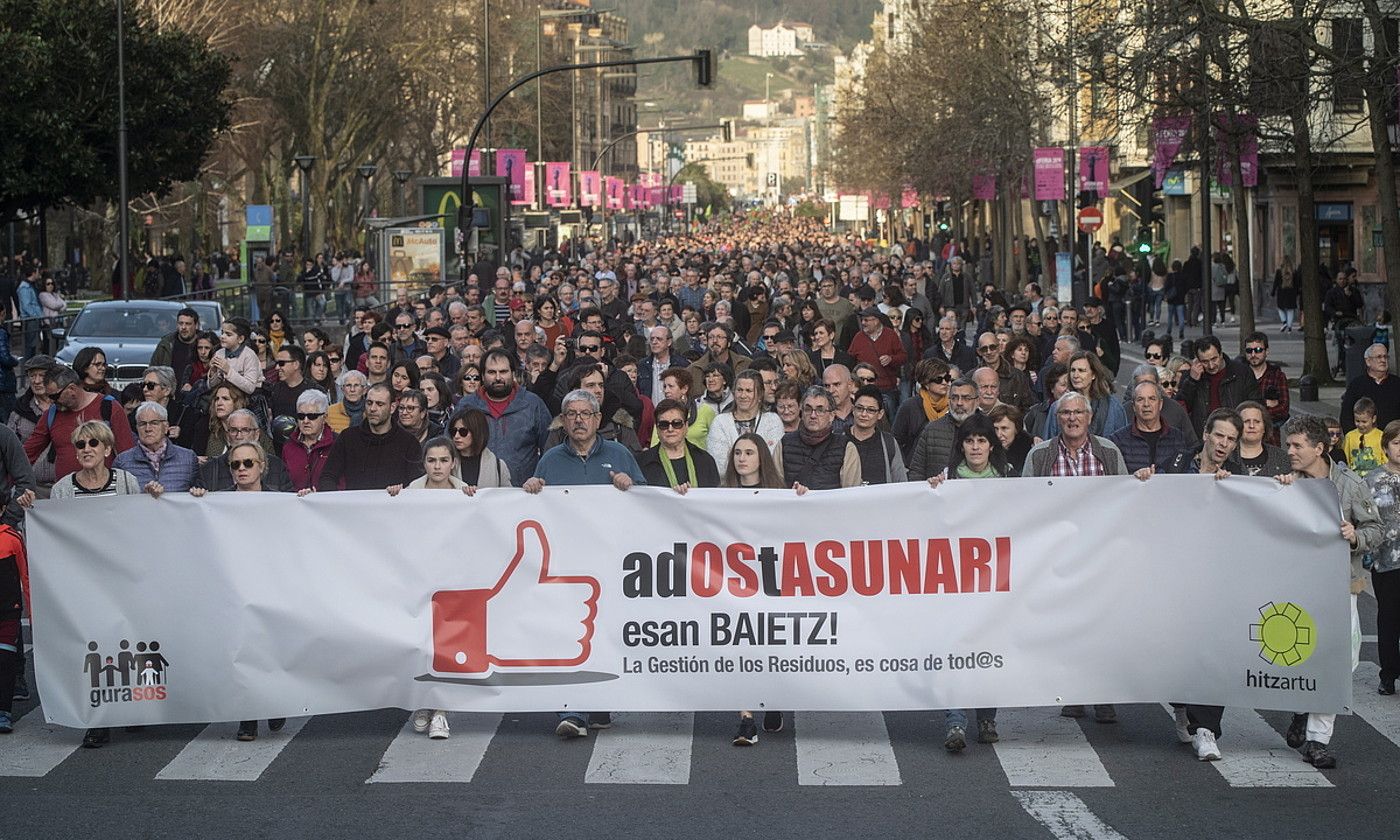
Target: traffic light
(726,128)
(705,68)
(943,224)
(1144,240)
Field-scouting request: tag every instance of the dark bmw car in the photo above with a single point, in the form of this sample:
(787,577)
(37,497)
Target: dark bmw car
(128,331)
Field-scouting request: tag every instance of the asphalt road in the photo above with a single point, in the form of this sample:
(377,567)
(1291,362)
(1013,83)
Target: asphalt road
(676,775)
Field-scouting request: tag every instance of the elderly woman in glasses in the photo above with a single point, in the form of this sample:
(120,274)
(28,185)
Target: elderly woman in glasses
(246,465)
(158,386)
(304,454)
(350,411)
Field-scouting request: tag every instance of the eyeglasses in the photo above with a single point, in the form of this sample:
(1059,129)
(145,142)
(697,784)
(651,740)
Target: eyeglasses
(307,415)
(1254,351)
(240,430)
(865,409)
(590,348)
(84,444)
(148,424)
(242,464)
(281,362)
(460,431)
(670,424)
(261,342)
(578,415)
(1159,355)
(335,360)
(982,348)
(146,386)
(1072,412)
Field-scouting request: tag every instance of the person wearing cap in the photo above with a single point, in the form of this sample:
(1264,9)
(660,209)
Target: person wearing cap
(1105,335)
(439,342)
(30,405)
(878,345)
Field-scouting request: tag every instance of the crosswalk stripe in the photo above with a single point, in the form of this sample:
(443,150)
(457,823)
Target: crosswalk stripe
(414,757)
(647,748)
(217,755)
(1065,815)
(36,747)
(1383,713)
(844,748)
(1255,756)
(1038,748)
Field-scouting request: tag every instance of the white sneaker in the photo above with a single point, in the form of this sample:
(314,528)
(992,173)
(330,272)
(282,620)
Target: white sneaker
(421,718)
(1206,749)
(1182,734)
(438,730)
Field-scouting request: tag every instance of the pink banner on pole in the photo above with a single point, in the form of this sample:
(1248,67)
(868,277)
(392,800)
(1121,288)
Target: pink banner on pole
(880,201)
(984,187)
(1093,169)
(558,186)
(1049,165)
(1240,133)
(677,193)
(474,163)
(615,193)
(459,157)
(908,197)
(510,164)
(588,189)
(1168,136)
(529,185)
(656,196)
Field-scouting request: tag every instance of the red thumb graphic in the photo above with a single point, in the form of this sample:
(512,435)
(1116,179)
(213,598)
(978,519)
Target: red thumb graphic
(536,619)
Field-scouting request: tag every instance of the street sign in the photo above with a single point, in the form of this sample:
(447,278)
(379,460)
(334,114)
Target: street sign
(1090,219)
(688,192)
(772,179)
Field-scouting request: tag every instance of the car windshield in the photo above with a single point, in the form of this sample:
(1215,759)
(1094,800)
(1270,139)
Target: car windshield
(122,322)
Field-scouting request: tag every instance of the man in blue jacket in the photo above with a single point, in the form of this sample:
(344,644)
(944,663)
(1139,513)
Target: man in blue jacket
(517,419)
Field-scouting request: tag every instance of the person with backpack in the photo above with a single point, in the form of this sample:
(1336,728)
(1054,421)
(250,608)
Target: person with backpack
(73,406)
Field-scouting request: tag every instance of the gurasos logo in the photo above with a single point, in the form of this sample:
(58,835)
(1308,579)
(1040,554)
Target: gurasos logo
(1286,634)
(133,674)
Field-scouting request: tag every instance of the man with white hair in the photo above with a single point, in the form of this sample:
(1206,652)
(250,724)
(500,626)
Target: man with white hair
(156,459)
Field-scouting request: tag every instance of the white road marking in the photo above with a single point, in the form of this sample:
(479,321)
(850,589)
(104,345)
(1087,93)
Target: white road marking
(844,748)
(36,747)
(1065,815)
(645,748)
(216,754)
(1038,748)
(414,757)
(1383,713)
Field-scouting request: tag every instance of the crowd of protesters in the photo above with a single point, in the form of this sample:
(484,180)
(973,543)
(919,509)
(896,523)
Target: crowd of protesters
(761,351)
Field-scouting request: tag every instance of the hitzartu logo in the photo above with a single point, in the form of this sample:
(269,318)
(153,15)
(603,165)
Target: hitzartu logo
(133,674)
(1286,634)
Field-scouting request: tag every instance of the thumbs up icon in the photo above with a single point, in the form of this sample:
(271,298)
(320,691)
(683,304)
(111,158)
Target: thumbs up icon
(529,619)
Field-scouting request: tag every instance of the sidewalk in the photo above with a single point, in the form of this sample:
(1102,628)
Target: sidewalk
(1284,348)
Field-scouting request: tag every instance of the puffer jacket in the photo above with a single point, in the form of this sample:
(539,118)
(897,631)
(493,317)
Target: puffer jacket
(304,465)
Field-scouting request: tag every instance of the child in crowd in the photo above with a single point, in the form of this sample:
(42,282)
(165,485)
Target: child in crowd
(1362,445)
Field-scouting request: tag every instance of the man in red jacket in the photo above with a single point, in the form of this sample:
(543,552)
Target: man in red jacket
(878,345)
(72,407)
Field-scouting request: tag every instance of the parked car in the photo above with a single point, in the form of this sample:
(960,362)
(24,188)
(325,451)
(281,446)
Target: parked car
(127,331)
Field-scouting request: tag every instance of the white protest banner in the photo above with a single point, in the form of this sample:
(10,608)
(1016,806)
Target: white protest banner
(1018,592)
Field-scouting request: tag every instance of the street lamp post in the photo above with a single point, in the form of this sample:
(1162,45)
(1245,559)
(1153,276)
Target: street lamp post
(123,199)
(304,163)
(366,172)
(401,177)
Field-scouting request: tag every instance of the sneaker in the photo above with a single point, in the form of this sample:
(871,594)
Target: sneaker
(248,730)
(772,721)
(748,733)
(96,738)
(571,727)
(1072,711)
(421,719)
(1204,741)
(276,724)
(1318,755)
(1105,713)
(7,724)
(21,686)
(1297,731)
(600,720)
(956,740)
(1387,687)
(1183,732)
(987,732)
(437,728)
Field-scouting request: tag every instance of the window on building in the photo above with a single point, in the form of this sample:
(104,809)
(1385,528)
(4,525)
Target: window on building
(1347,94)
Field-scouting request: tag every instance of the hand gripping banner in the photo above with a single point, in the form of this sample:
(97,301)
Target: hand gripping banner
(1014,592)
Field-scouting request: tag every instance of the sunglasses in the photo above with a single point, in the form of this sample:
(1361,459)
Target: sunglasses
(471,379)
(459,431)
(403,326)
(281,362)
(306,415)
(985,347)
(1168,383)
(146,386)
(261,342)
(865,380)
(938,380)
(1254,351)
(1159,355)
(242,463)
(84,444)
(335,360)
(670,424)
(591,348)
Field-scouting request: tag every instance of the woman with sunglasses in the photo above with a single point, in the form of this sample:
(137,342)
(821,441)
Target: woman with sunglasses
(469,380)
(236,362)
(247,464)
(475,465)
(929,402)
(305,452)
(158,386)
(277,331)
(93,443)
(675,462)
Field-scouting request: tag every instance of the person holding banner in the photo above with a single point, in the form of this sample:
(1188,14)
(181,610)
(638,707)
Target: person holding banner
(978,453)
(1307,439)
(675,462)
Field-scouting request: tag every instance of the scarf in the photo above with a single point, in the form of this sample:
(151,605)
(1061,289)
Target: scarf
(275,339)
(355,411)
(813,438)
(934,407)
(964,471)
(498,408)
(671,471)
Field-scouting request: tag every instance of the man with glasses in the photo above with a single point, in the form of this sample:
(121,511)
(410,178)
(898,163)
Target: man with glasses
(72,406)
(1378,384)
(934,448)
(657,360)
(1013,384)
(496,306)
(1049,330)
(406,345)
(375,454)
(818,456)
(613,306)
(881,461)
(518,421)
(291,382)
(835,308)
(438,341)
(242,427)
(1215,381)
(156,459)
(719,339)
(1273,382)
(176,350)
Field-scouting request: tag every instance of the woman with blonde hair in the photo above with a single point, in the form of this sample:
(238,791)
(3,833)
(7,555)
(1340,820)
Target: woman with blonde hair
(797,367)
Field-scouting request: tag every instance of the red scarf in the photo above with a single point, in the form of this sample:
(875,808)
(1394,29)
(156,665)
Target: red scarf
(498,409)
